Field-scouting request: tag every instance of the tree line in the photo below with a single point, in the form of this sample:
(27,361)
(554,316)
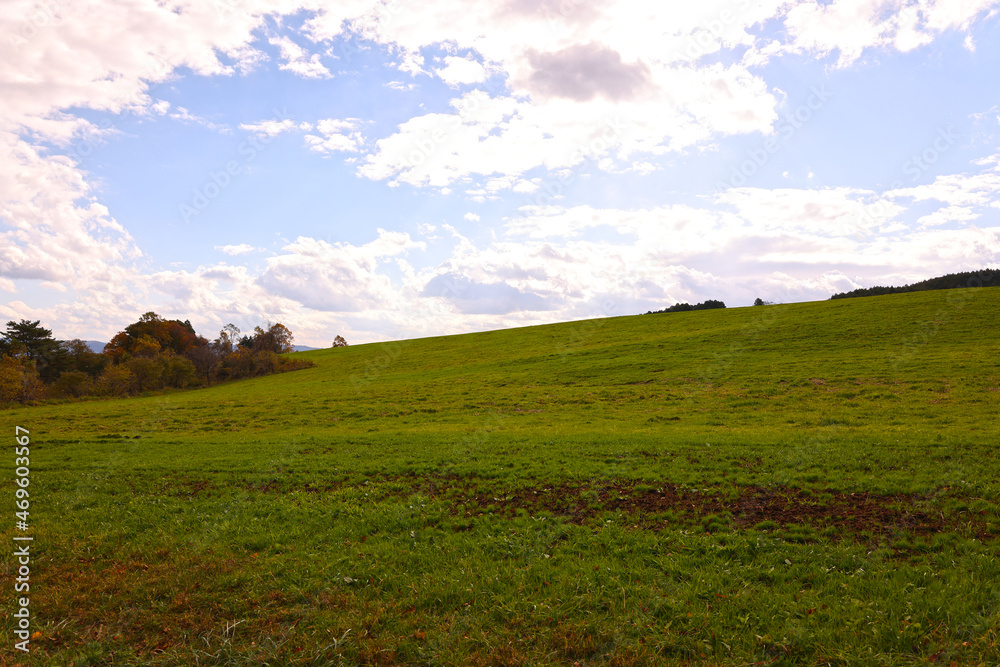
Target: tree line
(984,278)
(684,307)
(150,354)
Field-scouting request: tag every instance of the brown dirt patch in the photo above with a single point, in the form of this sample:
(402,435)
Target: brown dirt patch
(848,513)
(668,505)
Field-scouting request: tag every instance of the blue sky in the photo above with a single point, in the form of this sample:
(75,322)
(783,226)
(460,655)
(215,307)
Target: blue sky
(381,170)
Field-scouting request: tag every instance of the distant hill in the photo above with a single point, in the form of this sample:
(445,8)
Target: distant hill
(984,278)
(306,348)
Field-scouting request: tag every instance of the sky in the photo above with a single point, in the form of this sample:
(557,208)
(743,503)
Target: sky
(388,170)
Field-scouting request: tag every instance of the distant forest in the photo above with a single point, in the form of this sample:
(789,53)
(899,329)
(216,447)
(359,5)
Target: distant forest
(148,355)
(684,307)
(984,278)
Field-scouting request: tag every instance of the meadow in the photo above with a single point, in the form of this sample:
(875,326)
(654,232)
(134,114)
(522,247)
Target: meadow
(805,484)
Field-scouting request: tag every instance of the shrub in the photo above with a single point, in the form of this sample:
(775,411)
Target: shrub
(146,372)
(179,372)
(73,383)
(19,381)
(285,364)
(239,364)
(10,380)
(265,362)
(115,381)
(32,387)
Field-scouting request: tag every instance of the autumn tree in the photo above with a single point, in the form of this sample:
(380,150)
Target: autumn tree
(115,381)
(117,348)
(339,342)
(173,335)
(228,340)
(205,360)
(146,346)
(19,380)
(276,338)
(147,372)
(11,374)
(149,354)
(180,372)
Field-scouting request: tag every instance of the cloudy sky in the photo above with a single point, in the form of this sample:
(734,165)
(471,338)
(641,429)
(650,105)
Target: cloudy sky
(394,169)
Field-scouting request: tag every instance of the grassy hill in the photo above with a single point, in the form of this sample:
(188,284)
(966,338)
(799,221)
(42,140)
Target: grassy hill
(804,484)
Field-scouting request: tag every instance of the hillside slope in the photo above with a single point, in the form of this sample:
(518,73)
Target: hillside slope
(910,364)
(621,486)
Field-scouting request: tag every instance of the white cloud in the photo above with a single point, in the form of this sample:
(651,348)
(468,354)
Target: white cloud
(956,189)
(852,26)
(183,114)
(947,214)
(523,186)
(299,61)
(54,227)
(806,233)
(241,249)
(831,212)
(644,168)
(399,85)
(644,60)
(507,136)
(337,277)
(102,57)
(248,59)
(336,135)
(272,128)
(472,217)
(608,85)
(458,71)
(567,77)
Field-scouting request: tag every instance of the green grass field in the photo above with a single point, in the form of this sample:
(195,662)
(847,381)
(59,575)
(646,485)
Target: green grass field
(809,484)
